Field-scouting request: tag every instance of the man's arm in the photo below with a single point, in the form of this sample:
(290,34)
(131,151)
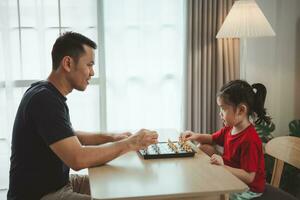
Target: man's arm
(78,157)
(87,138)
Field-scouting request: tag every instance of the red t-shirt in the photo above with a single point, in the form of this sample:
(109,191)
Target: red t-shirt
(243,151)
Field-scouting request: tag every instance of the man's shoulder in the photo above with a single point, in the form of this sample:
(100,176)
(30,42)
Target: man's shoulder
(41,95)
(41,90)
(40,86)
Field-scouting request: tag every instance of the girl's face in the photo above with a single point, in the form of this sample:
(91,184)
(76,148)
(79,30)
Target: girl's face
(228,113)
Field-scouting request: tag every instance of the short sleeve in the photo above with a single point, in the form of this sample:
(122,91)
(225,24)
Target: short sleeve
(249,156)
(50,117)
(219,136)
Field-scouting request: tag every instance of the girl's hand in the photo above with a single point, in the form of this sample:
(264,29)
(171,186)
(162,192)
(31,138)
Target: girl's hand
(188,135)
(216,159)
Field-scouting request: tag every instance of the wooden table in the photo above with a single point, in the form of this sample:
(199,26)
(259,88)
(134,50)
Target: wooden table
(131,177)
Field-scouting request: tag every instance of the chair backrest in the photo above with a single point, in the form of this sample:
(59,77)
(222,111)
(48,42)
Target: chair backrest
(283,149)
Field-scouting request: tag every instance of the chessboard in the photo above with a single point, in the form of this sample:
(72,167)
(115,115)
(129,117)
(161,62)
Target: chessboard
(167,150)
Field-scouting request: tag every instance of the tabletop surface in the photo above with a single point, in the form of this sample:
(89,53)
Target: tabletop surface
(132,177)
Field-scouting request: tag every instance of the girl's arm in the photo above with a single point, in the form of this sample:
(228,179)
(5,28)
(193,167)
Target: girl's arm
(202,138)
(246,177)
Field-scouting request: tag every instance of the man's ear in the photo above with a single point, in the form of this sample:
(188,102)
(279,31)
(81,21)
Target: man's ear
(66,63)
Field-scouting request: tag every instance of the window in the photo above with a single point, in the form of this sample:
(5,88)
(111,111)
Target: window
(139,63)
(28,37)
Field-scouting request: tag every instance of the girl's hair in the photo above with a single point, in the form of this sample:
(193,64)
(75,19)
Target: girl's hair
(240,92)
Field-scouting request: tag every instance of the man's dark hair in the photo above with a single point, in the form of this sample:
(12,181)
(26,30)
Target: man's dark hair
(69,44)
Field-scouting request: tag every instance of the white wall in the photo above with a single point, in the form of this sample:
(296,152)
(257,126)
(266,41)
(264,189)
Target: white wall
(275,61)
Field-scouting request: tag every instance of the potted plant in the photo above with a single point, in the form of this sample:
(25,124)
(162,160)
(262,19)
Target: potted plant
(294,127)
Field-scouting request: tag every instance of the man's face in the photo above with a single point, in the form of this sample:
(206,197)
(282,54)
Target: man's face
(82,71)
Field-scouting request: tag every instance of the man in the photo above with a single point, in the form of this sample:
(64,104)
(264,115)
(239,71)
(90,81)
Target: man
(44,144)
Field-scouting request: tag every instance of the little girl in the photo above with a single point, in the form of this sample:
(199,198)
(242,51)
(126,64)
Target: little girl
(243,154)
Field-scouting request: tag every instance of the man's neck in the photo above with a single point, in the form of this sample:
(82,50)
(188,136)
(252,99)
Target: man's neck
(56,79)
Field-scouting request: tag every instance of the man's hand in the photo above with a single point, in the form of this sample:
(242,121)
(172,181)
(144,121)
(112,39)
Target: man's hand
(188,135)
(142,139)
(216,159)
(120,136)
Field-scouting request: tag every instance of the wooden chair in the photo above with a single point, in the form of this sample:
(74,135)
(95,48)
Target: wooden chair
(285,149)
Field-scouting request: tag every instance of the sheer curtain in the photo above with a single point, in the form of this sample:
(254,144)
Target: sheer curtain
(144,63)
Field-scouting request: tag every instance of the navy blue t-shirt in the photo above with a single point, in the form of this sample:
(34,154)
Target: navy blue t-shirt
(41,120)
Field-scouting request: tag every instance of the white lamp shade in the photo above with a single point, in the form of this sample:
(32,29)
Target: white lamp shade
(245,19)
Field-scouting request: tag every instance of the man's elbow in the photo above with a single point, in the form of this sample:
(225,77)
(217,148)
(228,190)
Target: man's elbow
(78,163)
(76,167)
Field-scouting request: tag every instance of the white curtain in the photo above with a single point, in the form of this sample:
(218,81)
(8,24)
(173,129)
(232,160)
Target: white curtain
(144,63)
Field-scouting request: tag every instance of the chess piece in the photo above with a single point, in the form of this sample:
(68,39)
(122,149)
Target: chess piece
(172,146)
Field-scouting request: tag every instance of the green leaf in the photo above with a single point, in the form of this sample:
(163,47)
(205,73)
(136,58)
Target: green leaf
(294,127)
(264,131)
